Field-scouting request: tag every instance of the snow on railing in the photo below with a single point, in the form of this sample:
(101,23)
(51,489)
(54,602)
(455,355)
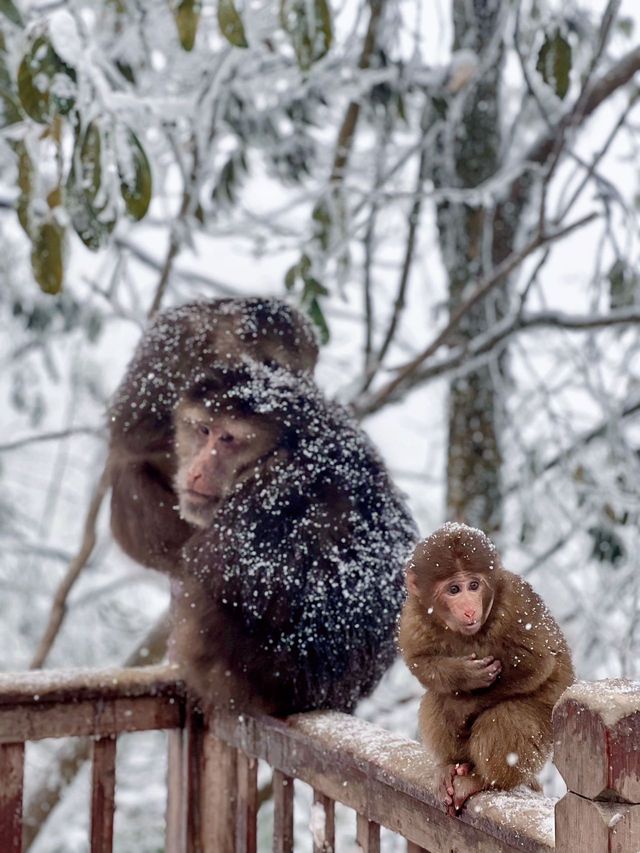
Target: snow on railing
(385,778)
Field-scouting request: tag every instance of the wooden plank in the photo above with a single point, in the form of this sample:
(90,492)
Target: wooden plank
(368,835)
(593,827)
(390,780)
(177,792)
(282,813)
(71,685)
(247,815)
(415,848)
(323,823)
(95,717)
(11,790)
(103,788)
(596,731)
(213,777)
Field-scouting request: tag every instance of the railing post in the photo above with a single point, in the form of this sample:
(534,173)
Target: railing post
(597,751)
(11,784)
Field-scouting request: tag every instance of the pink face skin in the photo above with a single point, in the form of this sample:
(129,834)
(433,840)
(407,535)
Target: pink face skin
(461,601)
(214,452)
(462,595)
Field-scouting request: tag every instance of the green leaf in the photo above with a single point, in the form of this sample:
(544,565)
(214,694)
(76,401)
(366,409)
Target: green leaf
(9,110)
(230,24)
(308,24)
(187,15)
(136,182)
(47,257)
(624,285)
(626,26)
(290,277)
(322,224)
(46,84)
(319,320)
(9,10)
(89,220)
(25,184)
(554,63)
(90,159)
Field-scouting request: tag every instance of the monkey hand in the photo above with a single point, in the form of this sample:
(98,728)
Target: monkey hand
(479,672)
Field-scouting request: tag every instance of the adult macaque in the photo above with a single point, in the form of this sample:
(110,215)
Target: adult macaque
(179,347)
(492,658)
(289,568)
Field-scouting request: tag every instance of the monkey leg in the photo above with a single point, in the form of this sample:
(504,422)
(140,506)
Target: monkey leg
(510,743)
(444,735)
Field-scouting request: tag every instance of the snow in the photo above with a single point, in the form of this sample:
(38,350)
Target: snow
(610,698)
(58,371)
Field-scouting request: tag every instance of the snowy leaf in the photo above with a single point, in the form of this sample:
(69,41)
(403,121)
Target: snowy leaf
(135,176)
(625,25)
(554,63)
(230,23)
(624,284)
(46,84)
(309,26)
(319,320)
(47,255)
(187,15)
(92,222)
(25,183)
(9,10)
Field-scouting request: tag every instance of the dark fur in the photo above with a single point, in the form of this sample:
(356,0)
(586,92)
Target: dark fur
(177,350)
(289,600)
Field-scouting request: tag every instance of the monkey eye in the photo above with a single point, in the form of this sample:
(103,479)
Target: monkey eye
(454,589)
(474,585)
(203,429)
(226,437)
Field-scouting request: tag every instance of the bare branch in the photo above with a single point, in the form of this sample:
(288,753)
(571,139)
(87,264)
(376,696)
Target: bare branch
(414,221)
(80,560)
(50,436)
(511,262)
(467,357)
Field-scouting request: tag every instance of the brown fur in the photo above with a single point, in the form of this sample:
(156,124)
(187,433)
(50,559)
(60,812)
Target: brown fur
(181,346)
(288,568)
(481,726)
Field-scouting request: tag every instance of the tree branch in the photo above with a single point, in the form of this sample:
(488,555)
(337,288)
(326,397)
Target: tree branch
(468,356)
(80,560)
(49,436)
(390,391)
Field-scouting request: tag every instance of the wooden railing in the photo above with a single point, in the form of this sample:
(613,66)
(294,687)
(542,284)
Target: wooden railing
(386,779)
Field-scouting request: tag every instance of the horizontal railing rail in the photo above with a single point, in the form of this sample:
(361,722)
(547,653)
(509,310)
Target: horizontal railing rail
(388,780)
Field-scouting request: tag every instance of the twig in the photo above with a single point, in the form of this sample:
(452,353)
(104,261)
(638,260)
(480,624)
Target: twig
(414,221)
(49,436)
(469,355)
(59,606)
(511,262)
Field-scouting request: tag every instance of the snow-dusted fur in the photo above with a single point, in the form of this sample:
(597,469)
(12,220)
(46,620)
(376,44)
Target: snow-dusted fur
(289,600)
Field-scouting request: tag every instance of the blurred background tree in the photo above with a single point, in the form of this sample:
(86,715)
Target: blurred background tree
(449,189)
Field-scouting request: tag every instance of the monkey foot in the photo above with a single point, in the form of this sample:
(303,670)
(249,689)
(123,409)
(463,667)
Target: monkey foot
(446,783)
(464,786)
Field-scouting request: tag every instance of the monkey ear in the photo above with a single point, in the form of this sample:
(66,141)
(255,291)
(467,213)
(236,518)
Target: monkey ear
(412,584)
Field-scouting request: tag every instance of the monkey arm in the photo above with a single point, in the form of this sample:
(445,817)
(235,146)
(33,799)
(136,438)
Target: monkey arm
(524,671)
(144,519)
(446,675)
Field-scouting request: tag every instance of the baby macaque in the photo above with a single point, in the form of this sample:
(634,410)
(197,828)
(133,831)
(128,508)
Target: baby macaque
(492,658)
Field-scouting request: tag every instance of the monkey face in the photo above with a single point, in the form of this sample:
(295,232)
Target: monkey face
(216,452)
(463,602)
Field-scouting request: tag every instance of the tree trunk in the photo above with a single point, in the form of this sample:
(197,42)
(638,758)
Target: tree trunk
(473,240)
